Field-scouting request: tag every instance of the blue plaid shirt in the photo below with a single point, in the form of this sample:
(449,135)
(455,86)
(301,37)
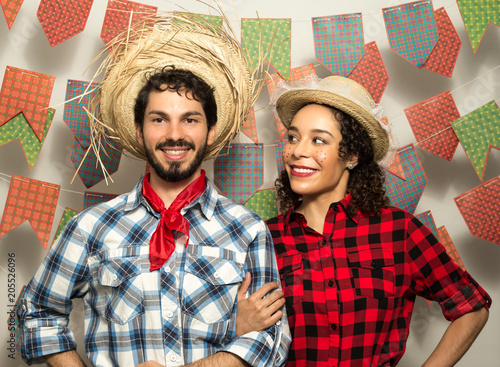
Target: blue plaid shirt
(176,315)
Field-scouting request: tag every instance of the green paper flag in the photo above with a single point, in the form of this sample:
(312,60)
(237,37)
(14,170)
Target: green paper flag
(66,217)
(19,128)
(263,202)
(477,15)
(478,131)
(267,39)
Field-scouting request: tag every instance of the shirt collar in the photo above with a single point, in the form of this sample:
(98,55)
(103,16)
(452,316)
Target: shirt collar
(206,201)
(291,214)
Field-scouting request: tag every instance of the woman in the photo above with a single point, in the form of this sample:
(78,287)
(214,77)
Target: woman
(350,264)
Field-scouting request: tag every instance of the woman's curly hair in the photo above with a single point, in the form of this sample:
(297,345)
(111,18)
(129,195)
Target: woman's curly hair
(366,180)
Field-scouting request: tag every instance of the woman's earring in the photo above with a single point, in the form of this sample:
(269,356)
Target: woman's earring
(350,165)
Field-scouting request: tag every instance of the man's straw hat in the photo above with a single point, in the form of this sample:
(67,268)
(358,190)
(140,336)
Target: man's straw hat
(345,95)
(188,42)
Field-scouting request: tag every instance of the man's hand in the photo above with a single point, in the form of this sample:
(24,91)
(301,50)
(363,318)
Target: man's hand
(258,312)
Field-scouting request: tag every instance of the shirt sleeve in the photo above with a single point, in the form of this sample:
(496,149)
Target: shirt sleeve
(46,305)
(269,347)
(437,277)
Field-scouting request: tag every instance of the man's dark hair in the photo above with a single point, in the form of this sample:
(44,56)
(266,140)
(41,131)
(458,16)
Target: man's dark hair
(181,81)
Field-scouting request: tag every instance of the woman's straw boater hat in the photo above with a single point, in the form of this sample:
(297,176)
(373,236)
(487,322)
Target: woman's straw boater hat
(343,94)
(185,41)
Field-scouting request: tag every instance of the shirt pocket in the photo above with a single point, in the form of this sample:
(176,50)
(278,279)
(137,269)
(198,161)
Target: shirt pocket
(292,278)
(119,280)
(210,284)
(372,272)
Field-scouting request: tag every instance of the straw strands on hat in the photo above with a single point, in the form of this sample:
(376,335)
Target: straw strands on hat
(186,41)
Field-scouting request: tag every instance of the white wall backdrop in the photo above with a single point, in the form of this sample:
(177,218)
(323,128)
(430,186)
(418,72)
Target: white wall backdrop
(475,81)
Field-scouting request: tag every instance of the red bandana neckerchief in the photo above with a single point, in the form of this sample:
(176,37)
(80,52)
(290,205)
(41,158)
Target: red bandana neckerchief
(162,243)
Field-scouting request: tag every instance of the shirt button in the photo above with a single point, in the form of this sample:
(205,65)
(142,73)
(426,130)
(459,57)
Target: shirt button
(278,322)
(173,358)
(170,314)
(216,274)
(115,276)
(323,242)
(334,327)
(335,208)
(167,269)
(330,283)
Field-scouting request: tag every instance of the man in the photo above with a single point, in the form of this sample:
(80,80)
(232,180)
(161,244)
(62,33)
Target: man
(159,268)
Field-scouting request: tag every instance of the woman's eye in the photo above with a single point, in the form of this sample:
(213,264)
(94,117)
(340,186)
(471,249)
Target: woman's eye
(292,138)
(318,141)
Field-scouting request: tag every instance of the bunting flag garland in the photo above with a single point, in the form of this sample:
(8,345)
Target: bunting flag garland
(411,30)
(268,37)
(296,74)
(18,128)
(249,127)
(444,56)
(428,220)
(30,200)
(431,121)
(86,161)
(10,9)
(118,14)
(339,42)
(477,16)
(480,208)
(215,20)
(27,92)
(263,202)
(66,217)
(278,146)
(370,72)
(79,95)
(63,19)
(92,198)
(478,131)
(239,172)
(406,194)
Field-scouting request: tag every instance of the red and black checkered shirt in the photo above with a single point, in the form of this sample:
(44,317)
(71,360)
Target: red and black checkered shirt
(350,291)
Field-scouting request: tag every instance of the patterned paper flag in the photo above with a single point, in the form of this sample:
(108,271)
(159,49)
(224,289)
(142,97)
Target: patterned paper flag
(448,244)
(27,92)
(278,146)
(19,129)
(406,194)
(370,72)
(339,42)
(428,220)
(411,30)
(79,95)
(33,201)
(274,36)
(478,131)
(445,53)
(87,163)
(249,127)
(239,172)
(66,217)
(296,75)
(480,208)
(63,19)
(92,198)
(394,165)
(477,16)
(118,15)
(263,202)
(215,20)
(431,121)
(10,9)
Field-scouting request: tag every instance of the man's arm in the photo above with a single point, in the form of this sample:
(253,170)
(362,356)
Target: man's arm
(457,338)
(221,359)
(69,358)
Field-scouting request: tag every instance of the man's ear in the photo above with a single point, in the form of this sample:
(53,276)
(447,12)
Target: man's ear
(138,134)
(211,134)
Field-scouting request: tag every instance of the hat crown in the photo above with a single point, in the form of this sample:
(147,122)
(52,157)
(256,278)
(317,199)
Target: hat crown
(351,90)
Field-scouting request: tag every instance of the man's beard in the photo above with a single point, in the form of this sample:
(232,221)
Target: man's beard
(174,172)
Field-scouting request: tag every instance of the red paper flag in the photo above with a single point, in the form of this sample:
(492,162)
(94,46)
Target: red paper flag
(63,19)
(10,9)
(33,201)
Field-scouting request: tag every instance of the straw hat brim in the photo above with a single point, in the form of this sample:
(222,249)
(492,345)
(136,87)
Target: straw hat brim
(206,51)
(289,103)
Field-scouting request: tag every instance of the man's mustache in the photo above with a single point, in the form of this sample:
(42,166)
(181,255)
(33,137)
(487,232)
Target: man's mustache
(174,143)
